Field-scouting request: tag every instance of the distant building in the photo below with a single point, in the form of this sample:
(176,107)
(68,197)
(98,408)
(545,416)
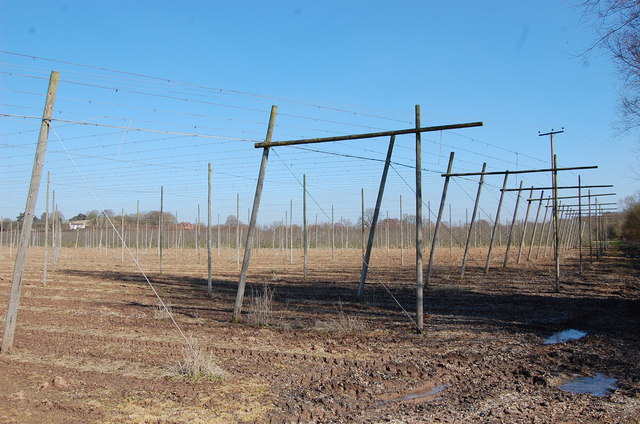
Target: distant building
(79,225)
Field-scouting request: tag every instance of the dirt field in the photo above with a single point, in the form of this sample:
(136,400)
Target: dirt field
(94,346)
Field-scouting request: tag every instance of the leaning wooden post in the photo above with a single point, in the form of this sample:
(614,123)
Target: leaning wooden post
(305,240)
(23,243)
(46,233)
(495,225)
(209,281)
(237,311)
(535,226)
(419,266)
(374,221)
(526,224)
(473,219)
(434,239)
(513,222)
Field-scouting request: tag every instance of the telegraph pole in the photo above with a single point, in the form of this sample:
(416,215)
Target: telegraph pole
(554,184)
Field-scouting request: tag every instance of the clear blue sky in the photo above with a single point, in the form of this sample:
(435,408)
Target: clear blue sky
(332,67)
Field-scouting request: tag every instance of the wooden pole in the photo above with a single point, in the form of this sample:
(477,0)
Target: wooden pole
(237,311)
(473,219)
(580,224)
(333,235)
(495,225)
(374,221)
(556,230)
(23,243)
(238,229)
(535,226)
(401,235)
(137,227)
(291,231)
(434,240)
(362,226)
(122,236)
(526,224)
(209,280)
(419,266)
(305,240)
(161,226)
(513,222)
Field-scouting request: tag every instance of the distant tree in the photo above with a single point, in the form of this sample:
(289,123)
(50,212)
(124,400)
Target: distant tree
(617,23)
(79,217)
(630,227)
(20,217)
(154,217)
(231,220)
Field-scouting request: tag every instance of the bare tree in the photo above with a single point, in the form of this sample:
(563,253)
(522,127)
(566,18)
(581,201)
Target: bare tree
(618,25)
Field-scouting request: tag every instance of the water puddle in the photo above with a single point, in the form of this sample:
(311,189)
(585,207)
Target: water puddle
(598,385)
(565,336)
(418,395)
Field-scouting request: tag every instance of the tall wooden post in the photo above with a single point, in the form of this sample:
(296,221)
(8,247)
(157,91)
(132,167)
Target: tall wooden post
(238,229)
(374,221)
(333,236)
(419,266)
(362,225)
(305,241)
(237,311)
(495,225)
(556,229)
(434,239)
(122,236)
(23,243)
(580,223)
(473,219)
(513,222)
(161,226)
(137,227)
(209,281)
(401,235)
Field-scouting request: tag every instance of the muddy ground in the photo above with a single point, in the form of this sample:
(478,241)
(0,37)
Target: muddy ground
(94,346)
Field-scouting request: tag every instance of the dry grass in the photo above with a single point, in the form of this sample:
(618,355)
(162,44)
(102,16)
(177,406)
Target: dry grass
(260,312)
(196,363)
(343,323)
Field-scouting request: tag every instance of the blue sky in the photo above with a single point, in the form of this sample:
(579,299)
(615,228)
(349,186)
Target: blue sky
(332,67)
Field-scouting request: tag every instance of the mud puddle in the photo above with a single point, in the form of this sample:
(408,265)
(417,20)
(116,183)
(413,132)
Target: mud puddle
(598,385)
(564,336)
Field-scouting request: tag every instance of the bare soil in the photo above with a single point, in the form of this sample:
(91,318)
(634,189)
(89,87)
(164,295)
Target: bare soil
(93,345)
